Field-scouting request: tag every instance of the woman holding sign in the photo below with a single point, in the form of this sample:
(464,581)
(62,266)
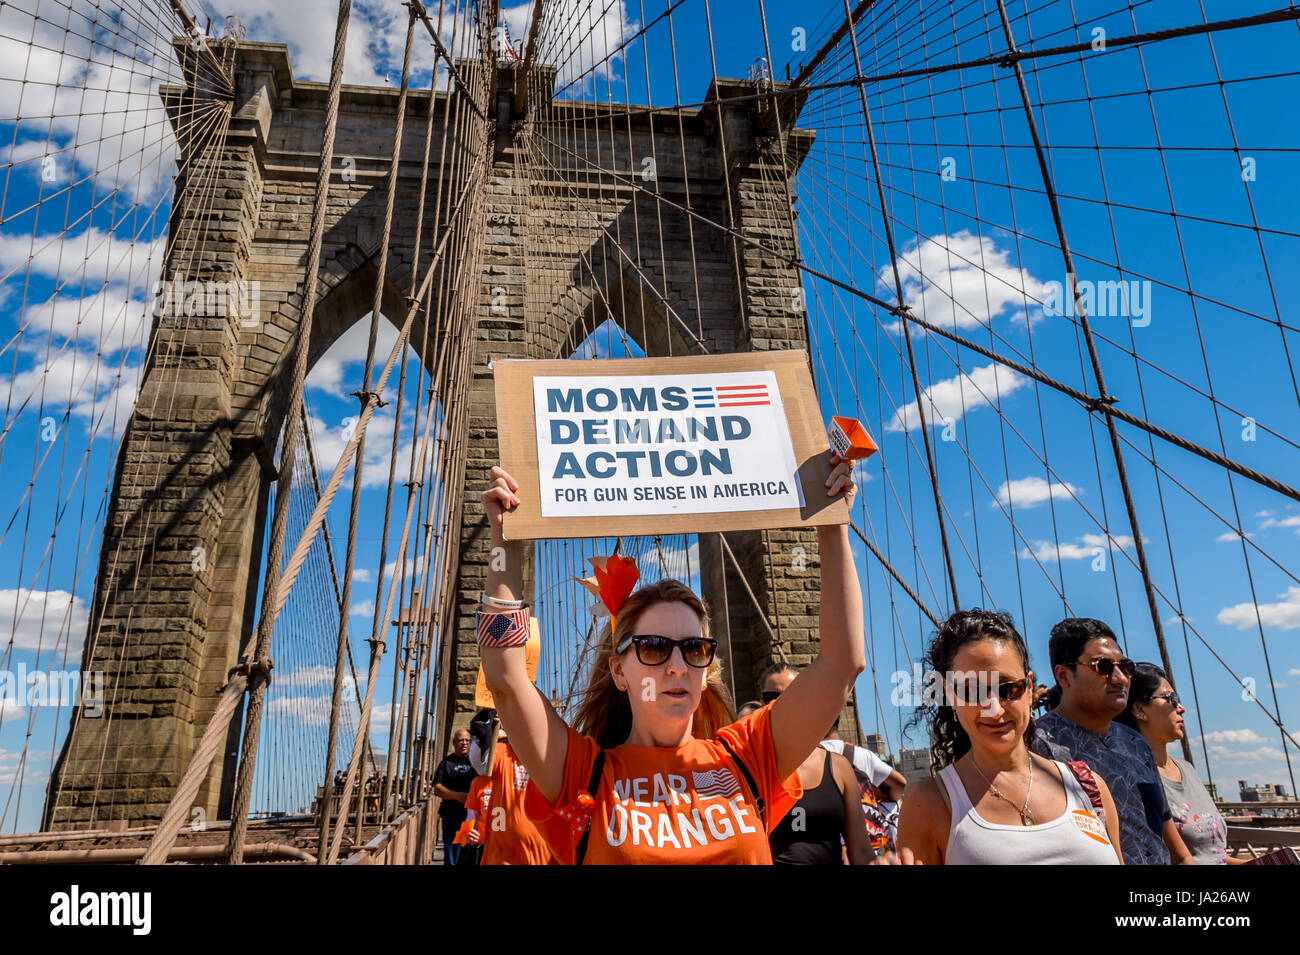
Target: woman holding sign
(653,773)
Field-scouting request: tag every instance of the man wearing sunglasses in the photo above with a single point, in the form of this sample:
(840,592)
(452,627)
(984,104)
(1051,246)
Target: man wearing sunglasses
(1094,678)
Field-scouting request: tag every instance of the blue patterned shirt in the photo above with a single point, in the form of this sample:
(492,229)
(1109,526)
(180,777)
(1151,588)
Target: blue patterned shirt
(1122,758)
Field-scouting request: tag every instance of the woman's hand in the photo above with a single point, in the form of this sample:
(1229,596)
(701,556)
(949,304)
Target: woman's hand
(841,479)
(498,498)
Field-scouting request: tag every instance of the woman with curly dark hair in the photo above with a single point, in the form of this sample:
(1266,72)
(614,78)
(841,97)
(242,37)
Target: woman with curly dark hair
(994,801)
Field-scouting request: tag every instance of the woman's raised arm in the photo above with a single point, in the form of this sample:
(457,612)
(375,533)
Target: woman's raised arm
(537,734)
(805,711)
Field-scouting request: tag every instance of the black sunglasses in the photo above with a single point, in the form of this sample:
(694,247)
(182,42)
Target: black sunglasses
(652,649)
(1008,691)
(770,695)
(1172,697)
(1105,666)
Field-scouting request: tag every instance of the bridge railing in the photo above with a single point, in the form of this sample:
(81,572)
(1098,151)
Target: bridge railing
(410,840)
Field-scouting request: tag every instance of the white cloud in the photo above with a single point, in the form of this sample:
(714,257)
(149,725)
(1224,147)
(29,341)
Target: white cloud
(330,441)
(12,762)
(1293,672)
(313,675)
(362,608)
(1236,737)
(340,370)
(1285,614)
(578,37)
(961,281)
(84,260)
(79,383)
(1032,491)
(413,569)
(1229,536)
(949,399)
(1293,521)
(306,710)
(1084,548)
(98,105)
(361,575)
(44,620)
(376,33)
(1231,755)
(676,558)
(380,714)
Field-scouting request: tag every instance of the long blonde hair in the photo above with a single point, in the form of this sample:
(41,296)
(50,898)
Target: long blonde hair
(604,711)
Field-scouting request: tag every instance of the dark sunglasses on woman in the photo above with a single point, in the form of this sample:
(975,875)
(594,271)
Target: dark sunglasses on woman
(652,649)
(1008,691)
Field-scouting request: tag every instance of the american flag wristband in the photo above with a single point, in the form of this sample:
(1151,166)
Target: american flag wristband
(502,628)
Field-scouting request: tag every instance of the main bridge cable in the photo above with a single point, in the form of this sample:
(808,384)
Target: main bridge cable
(1089,402)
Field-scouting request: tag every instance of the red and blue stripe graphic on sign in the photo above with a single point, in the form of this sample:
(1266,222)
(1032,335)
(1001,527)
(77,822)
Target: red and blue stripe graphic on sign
(730,396)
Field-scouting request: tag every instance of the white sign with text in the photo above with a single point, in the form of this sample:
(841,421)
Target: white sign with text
(663,444)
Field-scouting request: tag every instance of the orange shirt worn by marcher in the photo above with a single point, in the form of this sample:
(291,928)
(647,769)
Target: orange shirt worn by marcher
(673,805)
(509,836)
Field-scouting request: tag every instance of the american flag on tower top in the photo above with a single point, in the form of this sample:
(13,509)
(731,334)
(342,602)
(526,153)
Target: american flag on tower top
(508,43)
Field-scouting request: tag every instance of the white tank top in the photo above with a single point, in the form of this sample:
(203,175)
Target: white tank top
(1076,837)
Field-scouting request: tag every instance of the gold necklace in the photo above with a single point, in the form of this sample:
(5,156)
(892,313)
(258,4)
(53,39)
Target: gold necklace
(1026,817)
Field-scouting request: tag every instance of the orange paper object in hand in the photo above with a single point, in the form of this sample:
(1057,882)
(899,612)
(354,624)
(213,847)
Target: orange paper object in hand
(849,439)
(614,579)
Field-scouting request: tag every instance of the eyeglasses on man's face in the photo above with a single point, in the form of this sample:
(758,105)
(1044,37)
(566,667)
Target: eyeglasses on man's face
(653,649)
(1105,666)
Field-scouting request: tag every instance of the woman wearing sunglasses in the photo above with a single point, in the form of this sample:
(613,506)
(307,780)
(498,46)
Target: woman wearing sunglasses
(651,771)
(1155,711)
(994,801)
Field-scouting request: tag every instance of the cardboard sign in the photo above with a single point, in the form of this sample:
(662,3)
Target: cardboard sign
(663,445)
(532,653)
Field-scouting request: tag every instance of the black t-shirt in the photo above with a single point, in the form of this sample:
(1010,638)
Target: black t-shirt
(456,773)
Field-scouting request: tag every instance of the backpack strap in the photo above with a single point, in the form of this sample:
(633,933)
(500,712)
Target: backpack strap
(1089,784)
(597,768)
(753,786)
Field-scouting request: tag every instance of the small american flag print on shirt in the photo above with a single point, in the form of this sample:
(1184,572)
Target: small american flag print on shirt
(716,782)
(730,396)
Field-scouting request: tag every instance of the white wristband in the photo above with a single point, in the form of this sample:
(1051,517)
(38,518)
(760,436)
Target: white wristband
(501,604)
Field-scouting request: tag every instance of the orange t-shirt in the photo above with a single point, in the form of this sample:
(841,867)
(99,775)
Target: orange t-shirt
(673,805)
(510,838)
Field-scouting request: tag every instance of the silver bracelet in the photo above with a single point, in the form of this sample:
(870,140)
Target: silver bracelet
(501,604)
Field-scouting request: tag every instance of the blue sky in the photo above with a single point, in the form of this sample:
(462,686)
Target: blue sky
(981,238)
